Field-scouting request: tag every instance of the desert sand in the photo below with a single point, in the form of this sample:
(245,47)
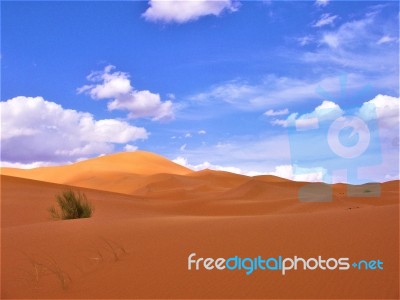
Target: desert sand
(150,214)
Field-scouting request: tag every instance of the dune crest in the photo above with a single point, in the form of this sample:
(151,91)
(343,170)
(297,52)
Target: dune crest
(139,173)
(115,172)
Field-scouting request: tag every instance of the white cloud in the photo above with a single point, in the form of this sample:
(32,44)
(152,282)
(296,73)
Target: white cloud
(181,161)
(305,40)
(271,112)
(141,104)
(201,132)
(177,11)
(332,40)
(113,84)
(327,110)
(325,19)
(130,148)
(188,135)
(384,107)
(322,3)
(108,84)
(299,174)
(36,130)
(386,110)
(386,39)
(206,165)
(171,96)
(280,122)
(350,34)
(326,104)
(273,91)
(36,164)
(356,42)
(183,147)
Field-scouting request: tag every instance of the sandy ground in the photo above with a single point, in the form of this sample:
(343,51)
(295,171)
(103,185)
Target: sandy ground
(150,214)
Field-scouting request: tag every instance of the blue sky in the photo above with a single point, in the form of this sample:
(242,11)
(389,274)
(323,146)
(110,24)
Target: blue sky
(217,84)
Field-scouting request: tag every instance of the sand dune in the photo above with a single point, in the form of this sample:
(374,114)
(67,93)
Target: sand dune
(150,214)
(116,172)
(270,178)
(134,173)
(137,162)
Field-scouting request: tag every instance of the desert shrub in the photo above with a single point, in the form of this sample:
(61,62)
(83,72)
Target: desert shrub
(71,205)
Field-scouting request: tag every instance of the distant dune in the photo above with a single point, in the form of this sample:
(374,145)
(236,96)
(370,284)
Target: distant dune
(151,213)
(116,172)
(142,173)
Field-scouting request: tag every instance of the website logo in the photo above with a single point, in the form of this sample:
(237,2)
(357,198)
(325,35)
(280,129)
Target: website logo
(283,265)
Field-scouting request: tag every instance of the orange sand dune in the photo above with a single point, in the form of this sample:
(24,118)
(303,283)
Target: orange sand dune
(138,172)
(195,185)
(138,162)
(137,243)
(270,178)
(116,172)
